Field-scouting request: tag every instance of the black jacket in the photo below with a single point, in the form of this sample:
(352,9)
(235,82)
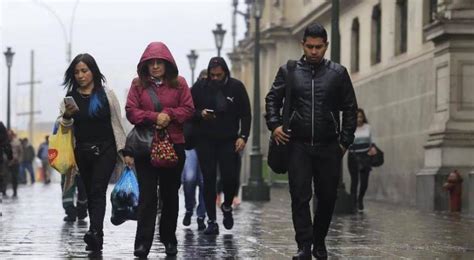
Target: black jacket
(319,92)
(230,103)
(5,149)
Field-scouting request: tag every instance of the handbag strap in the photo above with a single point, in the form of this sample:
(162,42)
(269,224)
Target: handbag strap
(290,66)
(154,99)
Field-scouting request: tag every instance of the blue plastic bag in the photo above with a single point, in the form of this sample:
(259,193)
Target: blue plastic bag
(124,198)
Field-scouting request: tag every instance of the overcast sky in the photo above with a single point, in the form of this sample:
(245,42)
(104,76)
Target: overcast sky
(115,32)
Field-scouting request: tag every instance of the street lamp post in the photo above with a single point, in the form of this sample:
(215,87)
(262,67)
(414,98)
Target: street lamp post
(256,189)
(9,58)
(192,57)
(67,39)
(219,37)
(344,202)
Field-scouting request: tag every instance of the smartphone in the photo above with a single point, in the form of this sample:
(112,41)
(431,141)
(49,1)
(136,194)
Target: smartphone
(210,111)
(70,100)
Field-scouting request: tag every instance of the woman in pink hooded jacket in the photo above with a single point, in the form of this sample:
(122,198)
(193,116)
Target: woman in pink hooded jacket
(157,70)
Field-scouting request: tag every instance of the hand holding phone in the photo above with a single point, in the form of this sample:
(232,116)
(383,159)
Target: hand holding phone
(71,105)
(208,114)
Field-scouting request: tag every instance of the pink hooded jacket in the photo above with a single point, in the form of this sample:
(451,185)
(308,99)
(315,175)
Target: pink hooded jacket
(176,101)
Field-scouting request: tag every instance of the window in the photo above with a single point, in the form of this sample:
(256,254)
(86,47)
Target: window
(429,10)
(401,28)
(433,9)
(355,46)
(376,35)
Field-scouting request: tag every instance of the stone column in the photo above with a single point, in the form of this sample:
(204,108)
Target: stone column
(450,141)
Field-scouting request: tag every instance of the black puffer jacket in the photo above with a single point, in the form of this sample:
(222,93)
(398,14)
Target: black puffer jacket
(319,92)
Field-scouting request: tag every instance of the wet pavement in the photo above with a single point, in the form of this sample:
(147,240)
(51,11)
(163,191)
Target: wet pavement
(32,227)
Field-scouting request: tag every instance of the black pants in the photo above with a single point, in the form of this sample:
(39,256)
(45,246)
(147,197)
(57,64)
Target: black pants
(169,181)
(318,165)
(359,168)
(12,171)
(210,154)
(95,173)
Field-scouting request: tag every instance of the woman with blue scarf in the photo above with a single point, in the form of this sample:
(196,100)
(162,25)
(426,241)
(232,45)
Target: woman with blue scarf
(94,116)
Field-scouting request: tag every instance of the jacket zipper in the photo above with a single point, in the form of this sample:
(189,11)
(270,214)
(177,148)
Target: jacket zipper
(312,106)
(335,123)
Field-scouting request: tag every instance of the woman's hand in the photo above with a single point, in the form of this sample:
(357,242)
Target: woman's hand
(163,120)
(70,110)
(372,151)
(129,161)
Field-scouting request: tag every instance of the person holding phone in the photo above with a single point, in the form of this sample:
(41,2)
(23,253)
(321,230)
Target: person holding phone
(93,111)
(222,126)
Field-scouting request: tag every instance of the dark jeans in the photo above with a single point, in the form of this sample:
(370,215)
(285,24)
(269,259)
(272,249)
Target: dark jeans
(26,166)
(169,182)
(319,166)
(95,173)
(359,168)
(212,153)
(192,178)
(10,173)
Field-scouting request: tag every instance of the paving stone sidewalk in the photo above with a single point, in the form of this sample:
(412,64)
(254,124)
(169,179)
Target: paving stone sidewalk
(32,227)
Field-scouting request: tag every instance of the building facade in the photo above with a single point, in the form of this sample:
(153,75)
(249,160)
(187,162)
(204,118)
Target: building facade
(412,66)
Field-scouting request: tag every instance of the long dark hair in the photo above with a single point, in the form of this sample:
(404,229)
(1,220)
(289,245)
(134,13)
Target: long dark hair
(360,110)
(69,79)
(98,96)
(171,73)
(3,134)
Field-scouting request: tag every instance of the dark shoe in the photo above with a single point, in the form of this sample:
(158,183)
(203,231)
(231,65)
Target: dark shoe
(82,214)
(94,240)
(140,252)
(201,225)
(360,205)
(15,194)
(228,218)
(304,252)
(212,228)
(320,251)
(187,219)
(69,218)
(171,249)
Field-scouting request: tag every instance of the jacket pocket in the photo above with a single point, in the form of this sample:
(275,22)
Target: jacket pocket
(336,125)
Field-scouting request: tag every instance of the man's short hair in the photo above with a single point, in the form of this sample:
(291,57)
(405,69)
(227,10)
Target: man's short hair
(315,30)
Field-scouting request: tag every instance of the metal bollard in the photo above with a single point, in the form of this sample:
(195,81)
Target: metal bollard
(453,185)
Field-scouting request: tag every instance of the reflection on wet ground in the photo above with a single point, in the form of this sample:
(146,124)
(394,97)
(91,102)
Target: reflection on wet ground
(32,225)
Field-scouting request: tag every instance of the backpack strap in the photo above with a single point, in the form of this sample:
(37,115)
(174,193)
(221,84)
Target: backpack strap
(290,66)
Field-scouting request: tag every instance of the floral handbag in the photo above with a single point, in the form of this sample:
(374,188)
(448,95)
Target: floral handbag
(163,154)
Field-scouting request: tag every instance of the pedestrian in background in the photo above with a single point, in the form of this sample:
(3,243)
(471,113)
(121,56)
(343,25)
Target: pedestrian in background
(74,199)
(99,136)
(222,125)
(192,174)
(158,77)
(319,91)
(13,168)
(359,159)
(26,164)
(43,156)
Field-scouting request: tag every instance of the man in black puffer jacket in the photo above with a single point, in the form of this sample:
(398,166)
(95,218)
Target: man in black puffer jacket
(221,126)
(320,90)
